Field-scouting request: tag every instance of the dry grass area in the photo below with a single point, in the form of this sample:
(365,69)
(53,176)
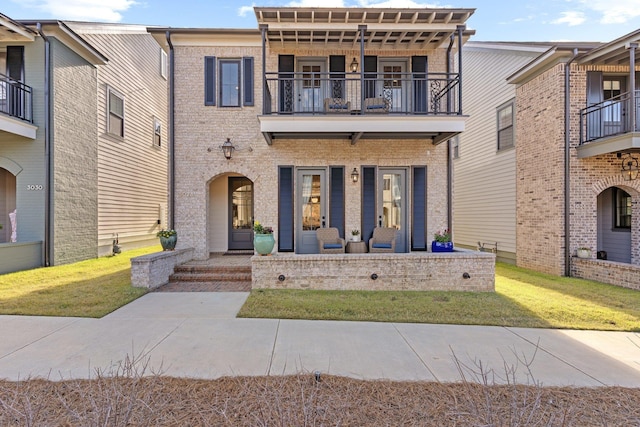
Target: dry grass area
(301,400)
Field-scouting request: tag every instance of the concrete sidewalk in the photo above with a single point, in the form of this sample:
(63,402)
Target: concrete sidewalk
(197,335)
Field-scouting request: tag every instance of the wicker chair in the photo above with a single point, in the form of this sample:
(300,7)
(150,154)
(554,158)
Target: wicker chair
(329,241)
(376,105)
(337,105)
(383,240)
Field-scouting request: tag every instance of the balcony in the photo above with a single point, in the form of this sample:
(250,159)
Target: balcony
(362,105)
(16,107)
(610,126)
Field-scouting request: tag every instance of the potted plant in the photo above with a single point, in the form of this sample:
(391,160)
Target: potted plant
(442,242)
(168,239)
(583,252)
(263,241)
(355,235)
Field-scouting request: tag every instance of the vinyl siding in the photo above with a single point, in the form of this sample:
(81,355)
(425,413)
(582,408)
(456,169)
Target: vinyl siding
(484,202)
(132,172)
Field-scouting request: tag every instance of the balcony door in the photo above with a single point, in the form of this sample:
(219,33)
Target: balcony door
(395,85)
(392,203)
(310,208)
(311,84)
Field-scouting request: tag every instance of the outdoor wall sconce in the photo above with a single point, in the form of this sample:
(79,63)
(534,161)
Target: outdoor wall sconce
(355,175)
(354,65)
(629,167)
(227,149)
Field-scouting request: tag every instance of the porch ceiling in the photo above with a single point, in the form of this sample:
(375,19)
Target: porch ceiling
(387,28)
(12,31)
(436,128)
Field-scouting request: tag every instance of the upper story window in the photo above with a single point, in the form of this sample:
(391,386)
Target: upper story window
(228,82)
(163,63)
(157,132)
(115,118)
(622,209)
(506,135)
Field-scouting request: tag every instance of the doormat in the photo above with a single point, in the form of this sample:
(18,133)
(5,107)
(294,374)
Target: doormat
(238,252)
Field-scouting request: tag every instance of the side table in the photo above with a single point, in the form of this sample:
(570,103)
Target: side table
(356,247)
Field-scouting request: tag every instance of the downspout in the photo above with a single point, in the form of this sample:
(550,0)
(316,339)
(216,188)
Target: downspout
(48,163)
(172,139)
(362,29)
(567,159)
(449,165)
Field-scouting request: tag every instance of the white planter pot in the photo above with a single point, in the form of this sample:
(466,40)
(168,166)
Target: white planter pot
(355,238)
(584,253)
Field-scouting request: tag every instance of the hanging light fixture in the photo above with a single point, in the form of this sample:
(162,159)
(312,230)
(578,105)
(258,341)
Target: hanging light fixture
(629,167)
(227,148)
(355,175)
(354,65)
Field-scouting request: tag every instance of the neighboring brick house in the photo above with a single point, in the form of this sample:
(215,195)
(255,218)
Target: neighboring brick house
(575,121)
(83,140)
(338,117)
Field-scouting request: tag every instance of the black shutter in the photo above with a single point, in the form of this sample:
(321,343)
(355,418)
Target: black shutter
(419,209)
(336,198)
(285,209)
(594,96)
(15,63)
(247,84)
(336,75)
(419,68)
(370,69)
(369,220)
(286,65)
(209,80)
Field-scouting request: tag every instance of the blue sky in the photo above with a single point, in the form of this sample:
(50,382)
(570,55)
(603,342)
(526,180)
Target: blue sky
(520,20)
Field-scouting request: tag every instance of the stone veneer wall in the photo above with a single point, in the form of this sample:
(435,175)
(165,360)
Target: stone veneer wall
(153,270)
(199,127)
(418,271)
(614,273)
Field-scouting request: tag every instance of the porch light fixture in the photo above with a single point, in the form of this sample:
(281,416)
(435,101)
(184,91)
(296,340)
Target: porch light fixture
(355,175)
(354,65)
(227,149)
(629,167)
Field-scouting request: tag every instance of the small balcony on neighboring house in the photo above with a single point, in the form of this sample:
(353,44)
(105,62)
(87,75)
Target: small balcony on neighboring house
(356,74)
(610,123)
(16,102)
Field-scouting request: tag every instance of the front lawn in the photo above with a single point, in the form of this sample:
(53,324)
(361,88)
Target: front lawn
(522,299)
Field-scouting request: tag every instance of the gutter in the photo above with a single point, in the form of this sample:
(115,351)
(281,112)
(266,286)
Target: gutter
(172,138)
(48,240)
(567,160)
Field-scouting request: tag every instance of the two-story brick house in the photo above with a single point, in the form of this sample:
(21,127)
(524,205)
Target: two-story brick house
(337,116)
(83,140)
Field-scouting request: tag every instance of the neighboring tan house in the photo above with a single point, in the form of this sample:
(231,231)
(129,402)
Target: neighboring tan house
(338,117)
(83,140)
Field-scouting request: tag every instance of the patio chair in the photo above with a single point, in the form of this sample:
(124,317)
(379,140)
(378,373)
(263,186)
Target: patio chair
(336,105)
(376,105)
(329,241)
(383,240)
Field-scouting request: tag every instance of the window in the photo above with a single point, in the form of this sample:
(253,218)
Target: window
(115,118)
(455,147)
(622,209)
(157,133)
(163,63)
(229,83)
(505,126)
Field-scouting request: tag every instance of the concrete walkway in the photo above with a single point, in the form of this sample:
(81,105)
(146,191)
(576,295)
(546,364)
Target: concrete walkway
(197,335)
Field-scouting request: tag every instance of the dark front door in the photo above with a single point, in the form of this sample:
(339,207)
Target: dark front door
(240,213)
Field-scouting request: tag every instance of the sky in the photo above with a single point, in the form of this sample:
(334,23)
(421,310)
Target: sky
(493,20)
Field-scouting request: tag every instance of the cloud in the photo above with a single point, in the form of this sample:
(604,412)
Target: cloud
(314,3)
(396,4)
(613,12)
(244,10)
(572,18)
(82,10)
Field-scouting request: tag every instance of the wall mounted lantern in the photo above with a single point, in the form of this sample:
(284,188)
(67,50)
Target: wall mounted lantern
(355,175)
(629,168)
(353,66)
(228,148)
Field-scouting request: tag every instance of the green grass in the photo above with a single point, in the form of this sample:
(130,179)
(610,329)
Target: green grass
(522,299)
(91,288)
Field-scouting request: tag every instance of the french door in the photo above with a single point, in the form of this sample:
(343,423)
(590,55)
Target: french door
(395,85)
(311,207)
(240,213)
(311,84)
(392,203)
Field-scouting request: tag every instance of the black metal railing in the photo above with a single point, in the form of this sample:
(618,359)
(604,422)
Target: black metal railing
(610,117)
(373,93)
(15,99)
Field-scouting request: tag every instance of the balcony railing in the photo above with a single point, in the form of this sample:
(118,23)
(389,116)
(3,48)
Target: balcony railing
(374,93)
(610,117)
(15,99)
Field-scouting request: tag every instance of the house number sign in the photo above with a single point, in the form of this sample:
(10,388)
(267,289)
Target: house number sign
(32,187)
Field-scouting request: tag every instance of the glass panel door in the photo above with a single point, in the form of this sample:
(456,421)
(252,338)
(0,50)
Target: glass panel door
(310,86)
(395,85)
(311,209)
(613,107)
(241,213)
(392,204)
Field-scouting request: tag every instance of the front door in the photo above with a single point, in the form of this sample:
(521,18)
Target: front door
(310,208)
(392,204)
(240,213)
(310,86)
(395,85)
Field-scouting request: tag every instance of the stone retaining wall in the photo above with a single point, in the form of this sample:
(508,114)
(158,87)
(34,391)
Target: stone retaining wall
(153,270)
(611,272)
(417,271)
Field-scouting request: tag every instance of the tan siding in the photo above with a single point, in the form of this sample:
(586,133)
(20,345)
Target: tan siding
(485,179)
